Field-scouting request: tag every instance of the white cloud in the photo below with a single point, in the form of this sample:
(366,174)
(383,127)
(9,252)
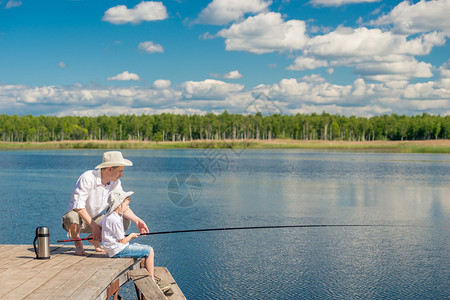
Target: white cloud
(424,16)
(161,84)
(401,69)
(62,64)
(311,93)
(209,89)
(124,76)
(313,78)
(373,53)
(338,2)
(150,47)
(221,12)
(349,42)
(427,91)
(13,3)
(444,70)
(230,75)
(307,63)
(144,11)
(264,33)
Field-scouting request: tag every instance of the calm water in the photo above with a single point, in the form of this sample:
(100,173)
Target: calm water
(190,189)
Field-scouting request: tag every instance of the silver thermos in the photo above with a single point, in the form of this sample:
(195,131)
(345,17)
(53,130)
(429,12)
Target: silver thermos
(43,239)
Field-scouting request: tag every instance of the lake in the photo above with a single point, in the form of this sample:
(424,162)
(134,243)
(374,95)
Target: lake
(402,253)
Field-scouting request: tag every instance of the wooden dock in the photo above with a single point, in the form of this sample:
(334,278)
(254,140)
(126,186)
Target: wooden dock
(67,276)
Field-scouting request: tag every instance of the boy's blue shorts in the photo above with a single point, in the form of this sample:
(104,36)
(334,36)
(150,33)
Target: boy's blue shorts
(135,251)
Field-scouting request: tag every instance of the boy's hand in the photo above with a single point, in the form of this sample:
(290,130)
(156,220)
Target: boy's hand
(134,235)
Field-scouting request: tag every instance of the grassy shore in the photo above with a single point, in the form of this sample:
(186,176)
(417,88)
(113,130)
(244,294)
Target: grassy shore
(429,146)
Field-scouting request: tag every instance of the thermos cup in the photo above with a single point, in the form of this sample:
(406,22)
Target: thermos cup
(43,239)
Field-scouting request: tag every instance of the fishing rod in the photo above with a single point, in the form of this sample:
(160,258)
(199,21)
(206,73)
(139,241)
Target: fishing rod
(243,228)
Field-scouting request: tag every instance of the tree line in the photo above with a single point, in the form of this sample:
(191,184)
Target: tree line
(172,127)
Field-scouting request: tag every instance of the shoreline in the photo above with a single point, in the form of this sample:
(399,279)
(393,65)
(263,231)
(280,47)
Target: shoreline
(422,146)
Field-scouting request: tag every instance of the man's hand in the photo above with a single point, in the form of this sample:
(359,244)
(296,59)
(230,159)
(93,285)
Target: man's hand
(142,227)
(96,231)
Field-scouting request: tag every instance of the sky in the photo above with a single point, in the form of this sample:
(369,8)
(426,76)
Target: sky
(110,57)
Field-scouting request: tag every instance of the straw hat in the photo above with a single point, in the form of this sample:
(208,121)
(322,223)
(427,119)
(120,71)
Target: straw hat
(114,159)
(116,198)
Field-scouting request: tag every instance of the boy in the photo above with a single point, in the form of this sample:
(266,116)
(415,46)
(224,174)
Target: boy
(115,243)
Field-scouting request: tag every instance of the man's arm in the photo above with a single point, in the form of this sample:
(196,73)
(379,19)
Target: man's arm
(142,227)
(96,230)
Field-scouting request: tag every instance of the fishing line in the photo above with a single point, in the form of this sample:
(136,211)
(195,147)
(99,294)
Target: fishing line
(249,228)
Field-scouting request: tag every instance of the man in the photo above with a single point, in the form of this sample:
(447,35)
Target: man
(90,198)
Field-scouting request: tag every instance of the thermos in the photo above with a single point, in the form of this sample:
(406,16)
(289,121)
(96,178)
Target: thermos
(43,239)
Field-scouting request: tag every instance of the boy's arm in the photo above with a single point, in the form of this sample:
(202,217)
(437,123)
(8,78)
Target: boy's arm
(128,238)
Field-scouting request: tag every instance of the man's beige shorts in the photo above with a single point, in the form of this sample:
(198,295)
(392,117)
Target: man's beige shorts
(72,217)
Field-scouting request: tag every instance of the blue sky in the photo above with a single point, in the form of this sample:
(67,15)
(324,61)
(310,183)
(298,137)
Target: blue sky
(351,57)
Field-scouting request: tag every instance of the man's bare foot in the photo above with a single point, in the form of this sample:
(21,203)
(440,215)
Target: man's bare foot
(99,249)
(79,248)
(96,244)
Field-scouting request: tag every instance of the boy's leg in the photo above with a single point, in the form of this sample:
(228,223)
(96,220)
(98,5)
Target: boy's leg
(140,251)
(149,264)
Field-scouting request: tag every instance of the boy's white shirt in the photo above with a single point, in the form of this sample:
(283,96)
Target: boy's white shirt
(112,233)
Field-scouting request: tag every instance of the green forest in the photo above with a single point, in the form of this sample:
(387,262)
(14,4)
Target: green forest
(172,127)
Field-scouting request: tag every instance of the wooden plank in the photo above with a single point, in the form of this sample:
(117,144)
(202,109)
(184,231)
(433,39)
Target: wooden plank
(67,267)
(80,273)
(122,278)
(5,274)
(66,276)
(146,285)
(25,262)
(165,276)
(5,247)
(45,290)
(16,252)
(50,271)
(12,279)
(84,272)
(104,276)
(32,284)
(22,256)
(97,283)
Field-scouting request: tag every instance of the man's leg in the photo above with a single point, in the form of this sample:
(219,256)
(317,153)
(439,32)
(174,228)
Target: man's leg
(72,223)
(95,243)
(74,231)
